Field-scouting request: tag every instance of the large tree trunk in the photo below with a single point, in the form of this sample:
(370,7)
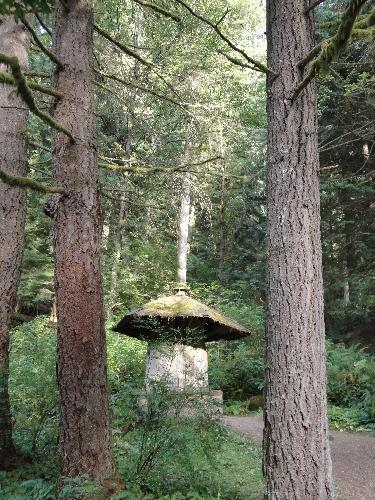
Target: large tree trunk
(14,41)
(84,437)
(297,462)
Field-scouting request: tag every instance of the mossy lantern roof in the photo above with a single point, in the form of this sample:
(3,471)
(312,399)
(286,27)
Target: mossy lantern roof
(182,314)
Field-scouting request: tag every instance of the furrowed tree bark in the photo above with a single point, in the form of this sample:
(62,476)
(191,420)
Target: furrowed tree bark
(14,41)
(84,434)
(297,462)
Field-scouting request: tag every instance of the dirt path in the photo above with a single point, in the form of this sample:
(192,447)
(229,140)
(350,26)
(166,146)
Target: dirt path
(353,457)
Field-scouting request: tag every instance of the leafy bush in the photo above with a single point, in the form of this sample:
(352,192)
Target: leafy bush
(167,451)
(351,382)
(32,386)
(344,419)
(159,455)
(236,408)
(236,369)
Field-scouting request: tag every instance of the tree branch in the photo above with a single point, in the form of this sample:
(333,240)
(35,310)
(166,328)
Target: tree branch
(140,87)
(122,46)
(261,67)
(38,74)
(26,182)
(331,47)
(159,10)
(40,146)
(238,62)
(154,170)
(9,79)
(42,47)
(43,25)
(313,5)
(26,94)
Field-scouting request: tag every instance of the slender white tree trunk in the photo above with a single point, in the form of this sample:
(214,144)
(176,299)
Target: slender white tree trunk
(183,228)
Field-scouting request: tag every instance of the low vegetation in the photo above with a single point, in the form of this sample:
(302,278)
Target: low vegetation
(160,455)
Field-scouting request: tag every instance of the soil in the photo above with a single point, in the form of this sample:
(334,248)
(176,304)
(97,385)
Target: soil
(353,458)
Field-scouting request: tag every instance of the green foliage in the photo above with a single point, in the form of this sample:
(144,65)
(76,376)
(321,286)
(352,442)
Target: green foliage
(126,360)
(167,451)
(166,454)
(351,383)
(20,7)
(345,419)
(32,386)
(36,481)
(236,408)
(236,369)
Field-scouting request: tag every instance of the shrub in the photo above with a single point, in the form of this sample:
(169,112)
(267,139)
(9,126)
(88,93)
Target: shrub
(351,381)
(32,386)
(173,455)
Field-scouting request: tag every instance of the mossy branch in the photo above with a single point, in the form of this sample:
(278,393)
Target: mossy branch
(140,87)
(9,79)
(26,94)
(238,62)
(40,146)
(261,67)
(38,74)
(26,182)
(366,21)
(159,10)
(128,51)
(42,47)
(155,170)
(330,48)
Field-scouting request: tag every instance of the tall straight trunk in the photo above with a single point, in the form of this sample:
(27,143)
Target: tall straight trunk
(84,435)
(183,227)
(14,41)
(297,462)
(222,234)
(121,223)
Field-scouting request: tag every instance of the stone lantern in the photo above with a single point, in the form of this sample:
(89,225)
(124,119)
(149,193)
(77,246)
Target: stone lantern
(178,328)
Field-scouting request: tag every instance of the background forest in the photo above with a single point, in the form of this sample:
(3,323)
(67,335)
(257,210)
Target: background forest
(145,116)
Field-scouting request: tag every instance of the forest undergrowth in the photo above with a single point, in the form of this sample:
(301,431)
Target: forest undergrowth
(160,455)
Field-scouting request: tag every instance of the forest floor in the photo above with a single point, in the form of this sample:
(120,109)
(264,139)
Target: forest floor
(353,457)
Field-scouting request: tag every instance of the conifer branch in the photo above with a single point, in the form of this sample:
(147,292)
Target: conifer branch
(331,47)
(27,96)
(140,87)
(40,146)
(9,79)
(38,74)
(238,62)
(42,47)
(366,21)
(261,67)
(159,10)
(43,25)
(26,182)
(127,50)
(154,170)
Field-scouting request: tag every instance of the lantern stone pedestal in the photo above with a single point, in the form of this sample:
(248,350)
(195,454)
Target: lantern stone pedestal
(177,328)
